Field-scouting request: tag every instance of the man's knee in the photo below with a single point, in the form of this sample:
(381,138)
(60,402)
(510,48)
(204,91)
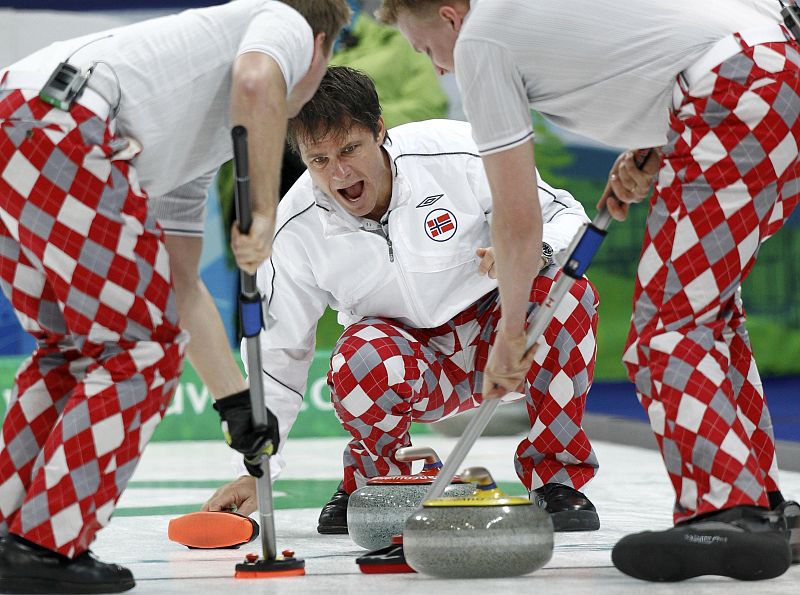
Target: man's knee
(184,260)
(366,360)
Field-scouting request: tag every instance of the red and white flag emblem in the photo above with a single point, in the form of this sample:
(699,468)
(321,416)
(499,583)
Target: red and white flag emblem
(440,225)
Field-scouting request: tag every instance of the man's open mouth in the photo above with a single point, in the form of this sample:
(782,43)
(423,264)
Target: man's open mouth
(353,192)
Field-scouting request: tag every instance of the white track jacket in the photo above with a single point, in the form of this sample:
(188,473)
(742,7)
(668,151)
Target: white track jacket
(418,267)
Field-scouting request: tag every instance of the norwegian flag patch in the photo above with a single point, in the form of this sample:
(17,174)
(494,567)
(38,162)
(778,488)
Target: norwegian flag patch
(440,225)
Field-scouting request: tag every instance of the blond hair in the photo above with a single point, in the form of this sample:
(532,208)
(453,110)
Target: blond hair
(324,16)
(391,9)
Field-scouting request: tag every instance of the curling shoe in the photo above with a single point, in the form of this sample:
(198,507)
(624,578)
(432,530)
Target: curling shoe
(333,518)
(28,568)
(569,509)
(743,543)
(787,515)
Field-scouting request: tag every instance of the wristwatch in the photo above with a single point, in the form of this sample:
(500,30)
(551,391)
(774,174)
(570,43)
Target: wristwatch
(547,254)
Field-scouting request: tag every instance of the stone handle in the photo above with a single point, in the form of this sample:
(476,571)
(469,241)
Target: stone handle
(478,475)
(410,454)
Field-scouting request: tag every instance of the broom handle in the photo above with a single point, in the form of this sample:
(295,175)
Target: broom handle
(250,304)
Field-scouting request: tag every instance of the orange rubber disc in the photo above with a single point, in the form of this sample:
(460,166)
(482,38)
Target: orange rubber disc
(209,530)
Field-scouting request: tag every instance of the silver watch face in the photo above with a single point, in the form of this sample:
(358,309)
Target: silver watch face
(547,253)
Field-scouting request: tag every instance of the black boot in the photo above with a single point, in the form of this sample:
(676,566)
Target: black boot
(788,516)
(333,518)
(741,543)
(28,568)
(569,509)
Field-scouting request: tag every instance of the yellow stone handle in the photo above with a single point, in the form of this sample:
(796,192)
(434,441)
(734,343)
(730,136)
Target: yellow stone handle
(477,475)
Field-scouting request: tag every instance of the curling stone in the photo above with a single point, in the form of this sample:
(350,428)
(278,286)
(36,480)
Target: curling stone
(485,535)
(379,510)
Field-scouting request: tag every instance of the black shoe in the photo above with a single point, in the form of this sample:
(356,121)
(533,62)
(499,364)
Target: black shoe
(788,517)
(569,509)
(333,518)
(28,568)
(741,543)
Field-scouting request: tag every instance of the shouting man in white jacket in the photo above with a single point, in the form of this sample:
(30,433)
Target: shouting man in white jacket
(391,230)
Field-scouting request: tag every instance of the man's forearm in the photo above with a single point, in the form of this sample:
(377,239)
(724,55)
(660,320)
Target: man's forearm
(516,230)
(258,102)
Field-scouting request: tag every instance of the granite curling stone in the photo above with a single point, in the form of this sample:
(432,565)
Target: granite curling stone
(485,535)
(379,510)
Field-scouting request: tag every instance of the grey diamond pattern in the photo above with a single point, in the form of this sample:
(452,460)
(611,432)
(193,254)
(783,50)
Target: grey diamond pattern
(787,104)
(703,454)
(718,243)
(51,317)
(83,303)
(76,420)
(564,429)
(96,258)
(748,484)
(86,479)
(677,373)
(92,131)
(34,512)
(36,220)
(747,154)
(23,447)
(60,170)
(131,392)
(736,68)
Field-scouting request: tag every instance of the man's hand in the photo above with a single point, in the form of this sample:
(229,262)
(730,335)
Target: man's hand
(486,265)
(508,364)
(627,183)
(254,248)
(236,416)
(238,495)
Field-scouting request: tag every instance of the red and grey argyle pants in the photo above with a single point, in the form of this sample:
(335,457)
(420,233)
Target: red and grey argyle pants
(83,264)
(730,177)
(384,375)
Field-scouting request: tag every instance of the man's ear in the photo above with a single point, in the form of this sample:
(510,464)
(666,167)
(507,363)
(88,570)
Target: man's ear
(454,15)
(319,48)
(381,132)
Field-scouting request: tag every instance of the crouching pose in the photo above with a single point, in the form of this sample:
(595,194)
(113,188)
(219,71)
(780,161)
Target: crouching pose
(391,230)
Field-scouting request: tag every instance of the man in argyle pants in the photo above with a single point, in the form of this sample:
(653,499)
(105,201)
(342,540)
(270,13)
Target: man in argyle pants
(83,263)
(392,230)
(728,181)
(384,375)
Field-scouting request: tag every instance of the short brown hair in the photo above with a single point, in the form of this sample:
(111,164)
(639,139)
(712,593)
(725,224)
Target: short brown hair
(345,98)
(324,16)
(390,9)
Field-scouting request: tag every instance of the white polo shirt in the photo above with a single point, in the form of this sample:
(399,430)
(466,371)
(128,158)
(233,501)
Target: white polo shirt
(602,68)
(175,77)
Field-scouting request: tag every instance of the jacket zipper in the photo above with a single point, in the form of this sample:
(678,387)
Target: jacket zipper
(385,229)
(400,273)
(391,251)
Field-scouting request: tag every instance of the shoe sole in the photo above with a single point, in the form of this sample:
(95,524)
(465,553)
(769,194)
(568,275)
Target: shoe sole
(332,530)
(676,557)
(36,585)
(212,530)
(575,520)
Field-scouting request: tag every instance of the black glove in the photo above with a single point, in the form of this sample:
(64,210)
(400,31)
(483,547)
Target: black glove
(253,466)
(240,434)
